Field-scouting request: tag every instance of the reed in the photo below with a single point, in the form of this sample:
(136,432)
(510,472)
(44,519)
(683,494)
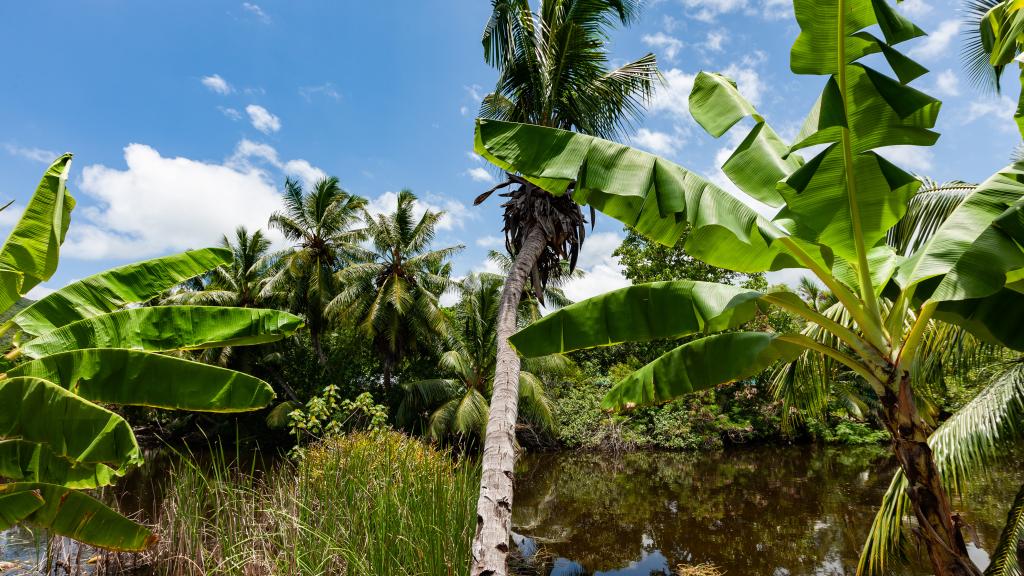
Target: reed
(362,504)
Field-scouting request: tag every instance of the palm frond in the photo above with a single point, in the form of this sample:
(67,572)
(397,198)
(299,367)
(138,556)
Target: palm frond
(972,439)
(1006,559)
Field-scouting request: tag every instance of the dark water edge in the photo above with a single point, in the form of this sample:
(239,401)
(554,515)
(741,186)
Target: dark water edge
(769,510)
(764,510)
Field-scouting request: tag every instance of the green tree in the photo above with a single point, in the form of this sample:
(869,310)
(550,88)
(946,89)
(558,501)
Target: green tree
(88,347)
(995,40)
(457,405)
(647,261)
(391,291)
(242,281)
(553,70)
(834,212)
(321,224)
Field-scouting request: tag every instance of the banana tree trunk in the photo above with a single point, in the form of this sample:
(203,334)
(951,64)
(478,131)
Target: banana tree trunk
(494,508)
(938,527)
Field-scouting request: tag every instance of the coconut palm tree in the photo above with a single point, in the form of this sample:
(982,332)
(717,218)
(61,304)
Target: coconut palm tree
(995,40)
(554,296)
(553,71)
(391,291)
(321,224)
(241,282)
(457,405)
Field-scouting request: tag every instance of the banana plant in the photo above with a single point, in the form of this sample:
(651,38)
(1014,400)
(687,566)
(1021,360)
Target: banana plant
(832,214)
(88,347)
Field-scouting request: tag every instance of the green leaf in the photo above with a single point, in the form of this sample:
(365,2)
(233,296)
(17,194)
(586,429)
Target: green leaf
(762,159)
(995,319)
(116,288)
(21,460)
(166,328)
(653,196)
(699,365)
(134,378)
(818,206)
(72,427)
(17,506)
(639,313)
(970,255)
(879,111)
(1005,559)
(33,248)
(70,513)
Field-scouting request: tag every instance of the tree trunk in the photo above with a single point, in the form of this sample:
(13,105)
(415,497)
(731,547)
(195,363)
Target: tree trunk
(387,378)
(937,526)
(314,337)
(494,508)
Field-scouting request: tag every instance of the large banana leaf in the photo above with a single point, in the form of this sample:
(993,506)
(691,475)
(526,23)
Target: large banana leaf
(657,198)
(17,506)
(973,251)
(32,249)
(114,289)
(165,328)
(21,460)
(762,159)
(641,312)
(699,365)
(70,513)
(39,411)
(135,378)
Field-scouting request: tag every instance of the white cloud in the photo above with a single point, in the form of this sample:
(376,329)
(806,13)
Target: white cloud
(1001,107)
(673,98)
(34,154)
(715,40)
(475,91)
(159,205)
(216,84)
(782,9)
(256,11)
(246,151)
(669,45)
(917,159)
(661,143)
(474,157)
(708,10)
(480,174)
(456,213)
(947,83)
(938,42)
(230,113)
(915,8)
(262,119)
(748,80)
(602,270)
(464,110)
(490,241)
(327,89)
(39,291)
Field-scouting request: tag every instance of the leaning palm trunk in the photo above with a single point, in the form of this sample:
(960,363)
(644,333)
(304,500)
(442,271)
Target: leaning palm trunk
(494,508)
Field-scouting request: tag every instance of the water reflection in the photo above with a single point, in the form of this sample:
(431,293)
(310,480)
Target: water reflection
(785,511)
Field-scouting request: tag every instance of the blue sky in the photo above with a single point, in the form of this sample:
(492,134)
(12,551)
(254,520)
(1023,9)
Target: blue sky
(185,117)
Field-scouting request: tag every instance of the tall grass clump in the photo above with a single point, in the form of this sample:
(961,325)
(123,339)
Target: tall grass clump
(360,504)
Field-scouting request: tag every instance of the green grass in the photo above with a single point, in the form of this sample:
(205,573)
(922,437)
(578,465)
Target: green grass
(375,503)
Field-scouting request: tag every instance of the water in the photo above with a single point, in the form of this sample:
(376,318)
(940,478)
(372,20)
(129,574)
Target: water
(773,511)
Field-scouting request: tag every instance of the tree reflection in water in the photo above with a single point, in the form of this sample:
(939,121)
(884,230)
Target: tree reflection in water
(793,511)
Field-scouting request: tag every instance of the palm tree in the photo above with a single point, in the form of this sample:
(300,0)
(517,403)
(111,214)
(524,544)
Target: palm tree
(457,406)
(321,224)
(391,291)
(553,71)
(240,283)
(553,294)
